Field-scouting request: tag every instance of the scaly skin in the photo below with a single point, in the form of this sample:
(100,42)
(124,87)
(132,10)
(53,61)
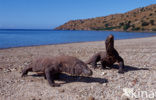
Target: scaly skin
(53,66)
(109,57)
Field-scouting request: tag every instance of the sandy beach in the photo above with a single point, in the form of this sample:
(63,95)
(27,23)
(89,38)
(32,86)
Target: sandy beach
(140,61)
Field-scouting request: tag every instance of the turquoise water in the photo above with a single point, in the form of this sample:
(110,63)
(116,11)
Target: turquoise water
(19,38)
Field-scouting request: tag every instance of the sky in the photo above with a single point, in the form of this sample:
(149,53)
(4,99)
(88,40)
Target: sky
(48,14)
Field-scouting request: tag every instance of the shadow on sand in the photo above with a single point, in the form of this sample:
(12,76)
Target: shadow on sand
(69,79)
(129,68)
(126,68)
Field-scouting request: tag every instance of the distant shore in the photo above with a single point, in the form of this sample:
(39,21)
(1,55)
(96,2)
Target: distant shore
(111,30)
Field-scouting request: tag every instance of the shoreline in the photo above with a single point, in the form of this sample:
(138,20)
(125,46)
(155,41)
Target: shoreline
(70,43)
(110,31)
(73,30)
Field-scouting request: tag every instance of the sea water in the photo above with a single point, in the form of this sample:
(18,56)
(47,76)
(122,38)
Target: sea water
(22,37)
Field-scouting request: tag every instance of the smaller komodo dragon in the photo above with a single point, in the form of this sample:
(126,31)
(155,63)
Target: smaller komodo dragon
(109,57)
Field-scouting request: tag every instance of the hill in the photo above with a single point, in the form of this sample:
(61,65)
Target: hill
(140,19)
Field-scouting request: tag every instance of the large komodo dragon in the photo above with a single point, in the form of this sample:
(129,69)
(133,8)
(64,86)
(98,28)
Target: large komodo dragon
(109,57)
(53,66)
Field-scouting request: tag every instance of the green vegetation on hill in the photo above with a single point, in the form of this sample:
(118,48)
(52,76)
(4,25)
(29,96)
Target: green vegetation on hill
(140,19)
